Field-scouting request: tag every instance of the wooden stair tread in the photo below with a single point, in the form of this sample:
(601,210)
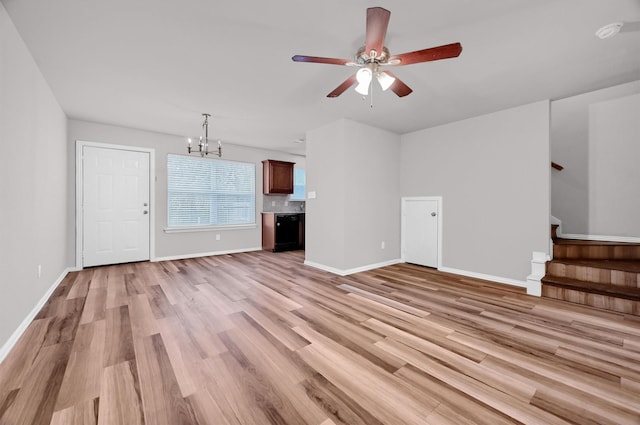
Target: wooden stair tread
(561,241)
(629,293)
(595,250)
(631,266)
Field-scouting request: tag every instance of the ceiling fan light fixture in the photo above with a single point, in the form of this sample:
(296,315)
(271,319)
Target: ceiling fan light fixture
(609,30)
(362,89)
(385,80)
(374,54)
(363,77)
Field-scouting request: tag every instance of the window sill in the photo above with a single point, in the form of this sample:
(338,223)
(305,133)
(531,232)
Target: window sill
(191,229)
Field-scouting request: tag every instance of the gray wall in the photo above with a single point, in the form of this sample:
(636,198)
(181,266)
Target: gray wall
(176,244)
(33,186)
(570,148)
(353,168)
(614,167)
(493,174)
(326,175)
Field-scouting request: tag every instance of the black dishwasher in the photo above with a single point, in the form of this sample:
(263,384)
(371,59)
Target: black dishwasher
(287,232)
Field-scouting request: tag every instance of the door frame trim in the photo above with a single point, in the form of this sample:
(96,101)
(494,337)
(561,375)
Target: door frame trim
(404,200)
(80,144)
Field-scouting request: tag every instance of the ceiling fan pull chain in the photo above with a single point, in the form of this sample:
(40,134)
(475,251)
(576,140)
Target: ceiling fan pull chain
(371,95)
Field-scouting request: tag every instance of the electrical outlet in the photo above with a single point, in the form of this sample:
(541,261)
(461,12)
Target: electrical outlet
(218,236)
(286,203)
(382,245)
(39,270)
(273,203)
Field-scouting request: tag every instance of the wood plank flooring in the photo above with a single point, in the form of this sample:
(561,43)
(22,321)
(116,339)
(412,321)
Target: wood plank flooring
(259,338)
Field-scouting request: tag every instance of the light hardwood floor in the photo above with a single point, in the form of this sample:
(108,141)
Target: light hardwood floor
(259,338)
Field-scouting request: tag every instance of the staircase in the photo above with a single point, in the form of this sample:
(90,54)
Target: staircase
(599,274)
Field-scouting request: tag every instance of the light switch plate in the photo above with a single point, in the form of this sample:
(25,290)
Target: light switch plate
(311,195)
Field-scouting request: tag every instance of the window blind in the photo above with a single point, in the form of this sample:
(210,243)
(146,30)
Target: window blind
(210,192)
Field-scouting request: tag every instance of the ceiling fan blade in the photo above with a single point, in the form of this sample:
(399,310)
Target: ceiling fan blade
(343,87)
(316,59)
(377,23)
(398,87)
(426,55)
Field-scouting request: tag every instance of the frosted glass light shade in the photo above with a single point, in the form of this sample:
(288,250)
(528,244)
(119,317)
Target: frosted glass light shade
(363,76)
(363,89)
(385,80)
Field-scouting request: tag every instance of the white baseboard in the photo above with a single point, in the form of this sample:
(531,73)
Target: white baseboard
(498,279)
(15,336)
(624,239)
(205,254)
(347,272)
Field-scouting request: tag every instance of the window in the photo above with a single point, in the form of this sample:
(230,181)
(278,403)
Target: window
(210,192)
(299,185)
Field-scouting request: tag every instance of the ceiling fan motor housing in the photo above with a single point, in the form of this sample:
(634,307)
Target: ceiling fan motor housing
(362,57)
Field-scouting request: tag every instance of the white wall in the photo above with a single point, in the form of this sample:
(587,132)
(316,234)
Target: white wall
(33,186)
(493,174)
(326,175)
(353,168)
(570,148)
(614,167)
(174,245)
(372,195)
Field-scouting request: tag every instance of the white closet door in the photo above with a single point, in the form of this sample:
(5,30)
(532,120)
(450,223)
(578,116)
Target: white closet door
(420,231)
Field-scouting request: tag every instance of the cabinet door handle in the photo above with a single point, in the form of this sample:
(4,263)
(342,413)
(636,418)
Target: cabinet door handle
(277,224)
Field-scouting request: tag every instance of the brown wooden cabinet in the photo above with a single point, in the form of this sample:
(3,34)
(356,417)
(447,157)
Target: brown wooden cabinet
(277,177)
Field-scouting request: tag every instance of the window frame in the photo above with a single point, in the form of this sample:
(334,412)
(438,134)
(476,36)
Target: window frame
(210,227)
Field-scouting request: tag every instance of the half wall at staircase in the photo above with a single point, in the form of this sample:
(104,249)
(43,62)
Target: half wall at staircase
(595,137)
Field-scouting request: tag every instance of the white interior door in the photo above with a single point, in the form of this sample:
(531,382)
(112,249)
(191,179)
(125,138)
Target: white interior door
(115,206)
(420,224)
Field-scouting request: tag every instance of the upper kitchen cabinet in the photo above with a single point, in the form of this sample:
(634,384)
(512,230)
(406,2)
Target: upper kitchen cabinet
(277,177)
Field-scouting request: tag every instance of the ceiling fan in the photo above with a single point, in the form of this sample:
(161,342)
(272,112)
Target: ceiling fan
(374,56)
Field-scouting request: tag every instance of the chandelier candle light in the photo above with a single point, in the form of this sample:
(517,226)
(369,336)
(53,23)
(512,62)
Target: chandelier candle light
(203,144)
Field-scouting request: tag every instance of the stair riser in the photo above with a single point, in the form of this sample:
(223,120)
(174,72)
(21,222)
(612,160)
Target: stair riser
(593,300)
(575,252)
(596,275)
(604,275)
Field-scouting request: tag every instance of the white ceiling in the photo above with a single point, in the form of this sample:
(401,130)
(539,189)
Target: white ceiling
(157,65)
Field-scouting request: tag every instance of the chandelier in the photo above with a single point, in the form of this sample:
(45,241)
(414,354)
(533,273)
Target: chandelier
(203,143)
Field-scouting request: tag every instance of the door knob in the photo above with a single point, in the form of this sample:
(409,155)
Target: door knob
(145,204)
(433,214)
(145,212)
